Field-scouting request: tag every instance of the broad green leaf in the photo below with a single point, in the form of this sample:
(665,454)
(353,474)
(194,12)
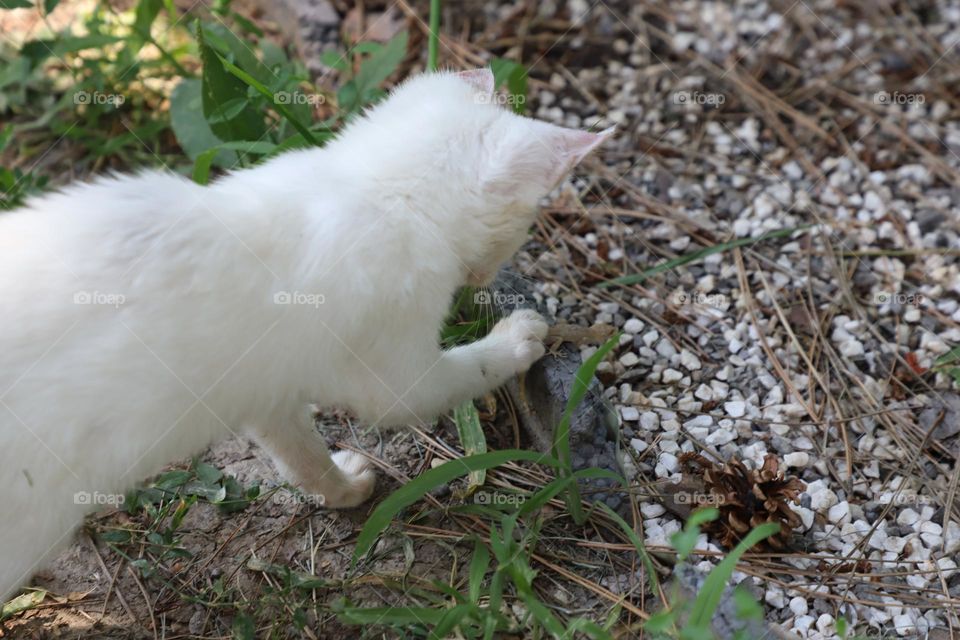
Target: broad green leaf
(15,4)
(950,356)
(514,75)
(201,166)
(207,472)
(841,626)
(382,63)
(227,43)
(190,127)
(21,603)
(265,92)
(219,87)
(364,88)
(229,110)
(334,60)
(116,536)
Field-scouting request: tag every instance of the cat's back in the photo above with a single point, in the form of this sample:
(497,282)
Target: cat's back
(64,256)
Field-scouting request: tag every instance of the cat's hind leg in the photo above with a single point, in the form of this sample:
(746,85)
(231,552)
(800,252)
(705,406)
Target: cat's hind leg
(342,480)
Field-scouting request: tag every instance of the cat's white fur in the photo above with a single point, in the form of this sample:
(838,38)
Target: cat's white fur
(145,316)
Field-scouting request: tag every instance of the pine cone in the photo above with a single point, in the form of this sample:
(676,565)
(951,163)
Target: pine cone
(747,498)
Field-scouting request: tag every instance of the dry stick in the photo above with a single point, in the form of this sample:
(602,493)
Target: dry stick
(951,495)
(146,599)
(664,330)
(103,565)
(896,434)
(783,320)
(113,582)
(592,586)
(891,428)
(944,170)
(793,338)
(841,425)
(511,408)
(752,309)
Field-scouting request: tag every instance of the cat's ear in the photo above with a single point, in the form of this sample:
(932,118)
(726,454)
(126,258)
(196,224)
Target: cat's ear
(544,155)
(480,79)
(569,147)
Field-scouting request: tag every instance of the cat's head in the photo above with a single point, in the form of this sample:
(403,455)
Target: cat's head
(488,166)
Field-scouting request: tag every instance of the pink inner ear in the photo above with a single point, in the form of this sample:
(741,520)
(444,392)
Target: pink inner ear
(480,79)
(570,147)
(577,144)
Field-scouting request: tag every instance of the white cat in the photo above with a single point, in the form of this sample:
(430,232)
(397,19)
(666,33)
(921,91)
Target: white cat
(145,316)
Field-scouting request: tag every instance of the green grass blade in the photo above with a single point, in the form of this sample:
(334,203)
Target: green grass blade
(433,43)
(496,598)
(699,255)
(426,482)
(709,596)
(588,628)
(392,615)
(539,611)
(641,549)
(451,619)
(472,438)
(479,564)
(561,436)
(555,487)
(581,384)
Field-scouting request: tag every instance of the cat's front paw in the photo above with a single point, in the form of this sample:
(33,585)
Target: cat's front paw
(523,333)
(358,481)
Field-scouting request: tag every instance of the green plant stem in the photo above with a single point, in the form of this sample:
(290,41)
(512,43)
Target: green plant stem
(433,45)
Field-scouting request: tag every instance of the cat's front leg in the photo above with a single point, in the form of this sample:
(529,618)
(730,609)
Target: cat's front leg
(340,480)
(469,371)
(511,347)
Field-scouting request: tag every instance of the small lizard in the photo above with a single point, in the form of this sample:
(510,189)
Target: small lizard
(576,334)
